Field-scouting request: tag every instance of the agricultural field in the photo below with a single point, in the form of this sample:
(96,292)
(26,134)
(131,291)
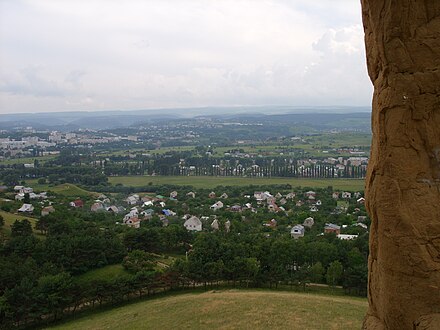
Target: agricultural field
(231,309)
(212,182)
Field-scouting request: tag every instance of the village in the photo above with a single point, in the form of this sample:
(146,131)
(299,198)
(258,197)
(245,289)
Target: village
(339,212)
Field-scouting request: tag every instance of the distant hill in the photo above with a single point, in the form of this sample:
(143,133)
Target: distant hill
(67,121)
(231,309)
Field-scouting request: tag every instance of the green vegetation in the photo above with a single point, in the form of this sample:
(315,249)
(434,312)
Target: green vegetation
(231,309)
(211,182)
(27,160)
(10,218)
(65,189)
(109,272)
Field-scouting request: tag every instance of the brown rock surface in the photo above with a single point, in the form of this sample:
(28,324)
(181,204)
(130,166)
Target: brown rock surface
(403,184)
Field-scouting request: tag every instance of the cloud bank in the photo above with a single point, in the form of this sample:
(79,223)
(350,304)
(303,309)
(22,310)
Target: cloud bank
(92,55)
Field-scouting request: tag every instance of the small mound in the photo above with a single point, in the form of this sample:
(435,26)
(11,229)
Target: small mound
(231,310)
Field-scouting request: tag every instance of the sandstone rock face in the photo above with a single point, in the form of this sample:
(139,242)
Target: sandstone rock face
(403,184)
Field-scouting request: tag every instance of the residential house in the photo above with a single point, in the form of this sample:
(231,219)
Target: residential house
(19,197)
(258,195)
(193,224)
(27,190)
(215,224)
(173,194)
(132,200)
(18,188)
(346,237)
(272,207)
(216,206)
(335,195)
(309,222)
(211,194)
(227,226)
(191,194)
(147,213)
(77,203)
(147,203)
(47,210)
(168,213)
(297,231)
(271,223)
(290,195)
(346,195)
(28,208)
(310,193)
(97,207)
(146,199)
(318,202)
(362,225)
(132,214)
(133,222)
(235,208)
(313,208)
(361,218)
(112,209)
(361,200)
(332,228)
(224,195)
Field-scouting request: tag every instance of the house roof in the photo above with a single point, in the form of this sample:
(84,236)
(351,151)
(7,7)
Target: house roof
(332,226)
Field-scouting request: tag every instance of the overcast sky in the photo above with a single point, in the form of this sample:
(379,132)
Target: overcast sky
(60,55)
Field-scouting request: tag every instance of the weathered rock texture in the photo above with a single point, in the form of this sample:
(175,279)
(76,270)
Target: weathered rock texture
(403,185)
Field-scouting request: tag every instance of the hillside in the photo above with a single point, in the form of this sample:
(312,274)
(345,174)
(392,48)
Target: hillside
(231,310)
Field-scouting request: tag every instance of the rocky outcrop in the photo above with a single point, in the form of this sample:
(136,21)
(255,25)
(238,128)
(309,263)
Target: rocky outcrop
(403,184)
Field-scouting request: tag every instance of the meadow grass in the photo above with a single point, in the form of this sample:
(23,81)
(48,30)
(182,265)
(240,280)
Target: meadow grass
(104,273)
(10,219)
(64,189)
(230,309)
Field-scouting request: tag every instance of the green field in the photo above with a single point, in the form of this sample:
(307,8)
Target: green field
(27,160)
(104,273)
(231,309)
(65,189)
(211,182)
(10,219)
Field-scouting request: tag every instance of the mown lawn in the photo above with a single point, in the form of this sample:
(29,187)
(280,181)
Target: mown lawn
(231,309)
(211,182)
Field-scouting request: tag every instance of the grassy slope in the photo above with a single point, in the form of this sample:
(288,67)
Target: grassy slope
(65,189)
(10,219)
(231,310)
(211,182)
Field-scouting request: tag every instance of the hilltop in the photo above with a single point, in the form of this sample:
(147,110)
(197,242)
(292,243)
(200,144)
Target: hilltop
(231,309)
